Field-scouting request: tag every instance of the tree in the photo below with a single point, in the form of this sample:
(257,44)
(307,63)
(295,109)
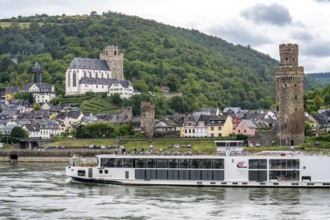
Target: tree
(116,99)
(172,81)
(317,101)
(19,132)
(24,95)
(140,85)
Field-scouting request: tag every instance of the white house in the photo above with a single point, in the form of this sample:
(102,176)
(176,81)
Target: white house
(42,92)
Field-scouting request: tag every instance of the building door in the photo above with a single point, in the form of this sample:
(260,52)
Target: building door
(292,142)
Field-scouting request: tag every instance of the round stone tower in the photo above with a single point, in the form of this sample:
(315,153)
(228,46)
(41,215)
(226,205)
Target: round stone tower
(289,97)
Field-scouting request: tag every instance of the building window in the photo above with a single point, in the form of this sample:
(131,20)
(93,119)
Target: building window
(212,128)
(219,128)
(74,79)
(295,96)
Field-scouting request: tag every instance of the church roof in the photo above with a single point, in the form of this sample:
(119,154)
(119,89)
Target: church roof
(41,86)
(89,64)
(102,81)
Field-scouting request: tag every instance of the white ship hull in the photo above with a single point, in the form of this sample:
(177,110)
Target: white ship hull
(209,171)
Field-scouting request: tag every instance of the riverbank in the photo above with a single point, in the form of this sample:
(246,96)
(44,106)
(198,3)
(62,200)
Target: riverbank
(51,155)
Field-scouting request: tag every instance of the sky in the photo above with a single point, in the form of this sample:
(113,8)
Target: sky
(262,24)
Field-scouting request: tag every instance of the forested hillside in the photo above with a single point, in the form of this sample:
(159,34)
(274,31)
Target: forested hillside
(322,78)
(209,71)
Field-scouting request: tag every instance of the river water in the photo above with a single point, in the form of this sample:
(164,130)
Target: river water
(42,191)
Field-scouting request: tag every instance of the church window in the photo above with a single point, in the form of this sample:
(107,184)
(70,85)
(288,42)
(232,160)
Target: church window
(69,79)
(74,79)
(115,53)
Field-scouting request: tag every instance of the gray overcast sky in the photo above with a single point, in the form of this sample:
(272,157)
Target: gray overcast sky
(263,24)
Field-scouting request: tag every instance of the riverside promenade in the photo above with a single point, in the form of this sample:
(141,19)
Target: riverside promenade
(48,155)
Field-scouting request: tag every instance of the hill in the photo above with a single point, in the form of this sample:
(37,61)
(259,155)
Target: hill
(321,78)
(209,71)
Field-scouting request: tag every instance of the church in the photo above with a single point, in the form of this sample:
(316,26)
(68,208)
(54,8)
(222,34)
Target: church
(99,75)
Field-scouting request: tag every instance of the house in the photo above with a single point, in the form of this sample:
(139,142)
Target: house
(195,126)
(246,127)
(33,130)
(168,126)
(220,126)
(42,92)
(10,92)
(66,119)
(231,110)
(48,128)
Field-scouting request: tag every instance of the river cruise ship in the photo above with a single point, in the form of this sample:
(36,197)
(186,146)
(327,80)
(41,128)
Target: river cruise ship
(270,169)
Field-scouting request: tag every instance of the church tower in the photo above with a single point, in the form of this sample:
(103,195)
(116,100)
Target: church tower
(36,70)
(115,61)
(289,97)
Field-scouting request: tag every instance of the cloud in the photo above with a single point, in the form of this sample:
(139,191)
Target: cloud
(302,35)
(319,49)
(326,1)
(235,32)
(274,14)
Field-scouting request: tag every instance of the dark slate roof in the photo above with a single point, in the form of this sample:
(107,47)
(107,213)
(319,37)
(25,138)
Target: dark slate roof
(102,81)
(47,124)
(11,90)
(249,124)
(32,127)
(204,118)
(217,119)
(61,115)
(88,64)
(74,114)
(44,87)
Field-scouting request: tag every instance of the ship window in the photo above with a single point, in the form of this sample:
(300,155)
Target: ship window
(151,174)
(139,163)
(162,174)
(140,174)
(81,173)
(259,176)
(173,174)
(257,164)
(173,163)
(119,162)
(196,163)
(128,163)
(207,163)
(101,171)
(284,164)
(184,163)
(107,162)
(284,175)
(106,171)
(161,163)
(150,163)
(195,174)
(218,164)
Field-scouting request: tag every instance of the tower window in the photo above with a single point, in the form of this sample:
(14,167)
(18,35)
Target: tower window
(295,96)
(278,108)
(295,109)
